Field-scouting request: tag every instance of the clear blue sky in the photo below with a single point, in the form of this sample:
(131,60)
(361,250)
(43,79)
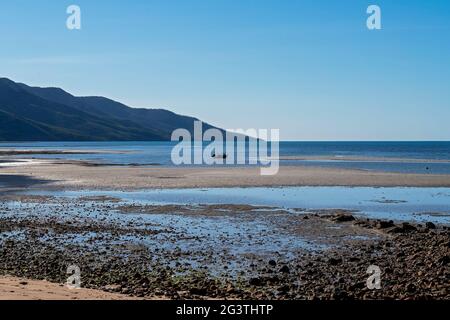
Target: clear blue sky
(310,68)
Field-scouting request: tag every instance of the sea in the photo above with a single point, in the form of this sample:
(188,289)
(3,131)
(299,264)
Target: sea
(430,157)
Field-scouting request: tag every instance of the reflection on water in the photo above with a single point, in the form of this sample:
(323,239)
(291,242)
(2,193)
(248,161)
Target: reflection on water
(402,204)
(223,244)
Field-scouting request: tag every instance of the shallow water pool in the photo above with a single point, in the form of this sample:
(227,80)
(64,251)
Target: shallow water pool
(401,204)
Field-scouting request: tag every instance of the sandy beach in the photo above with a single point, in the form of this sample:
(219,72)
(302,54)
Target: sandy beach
(12,288)
(82,175)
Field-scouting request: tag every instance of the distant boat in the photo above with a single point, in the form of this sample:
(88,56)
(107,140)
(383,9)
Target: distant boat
(220,156)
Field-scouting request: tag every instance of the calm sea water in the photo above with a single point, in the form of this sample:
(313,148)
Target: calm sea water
(150,153)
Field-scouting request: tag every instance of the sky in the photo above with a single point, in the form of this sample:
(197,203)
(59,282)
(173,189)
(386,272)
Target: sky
(309,68)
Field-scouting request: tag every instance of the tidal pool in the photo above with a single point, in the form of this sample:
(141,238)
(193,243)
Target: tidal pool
(398,203)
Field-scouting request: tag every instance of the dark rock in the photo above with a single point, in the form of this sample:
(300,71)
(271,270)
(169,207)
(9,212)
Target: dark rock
(395,230)
(272,263)
(284,288)
(198,291)
(284,269)
(404,228)
(338,294)
(411,288)
(334,261)
(408,227)
(385,224)
(256,282)
(430,225)
(444,260)
(343,218)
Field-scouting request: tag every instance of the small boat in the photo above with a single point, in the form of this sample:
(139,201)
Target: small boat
(220,156)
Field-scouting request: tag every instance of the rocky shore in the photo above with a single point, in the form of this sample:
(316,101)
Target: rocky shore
(139,258)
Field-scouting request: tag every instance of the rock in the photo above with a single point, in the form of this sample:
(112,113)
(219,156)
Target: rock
(408,227)
(272,263)
(385,224)
(343,218)
(283,289)
(113,287)
(183,293)
(198,291)
(395,230)
(338,294)
(444,260)
(256,282)
(411,288)
(404,228)
(284,269)
(230,289)
(334,261)
(430,225)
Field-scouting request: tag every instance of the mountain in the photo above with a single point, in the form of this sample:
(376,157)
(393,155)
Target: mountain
(52,114)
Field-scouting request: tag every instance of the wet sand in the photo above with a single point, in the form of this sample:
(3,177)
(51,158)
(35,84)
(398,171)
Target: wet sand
(81,175)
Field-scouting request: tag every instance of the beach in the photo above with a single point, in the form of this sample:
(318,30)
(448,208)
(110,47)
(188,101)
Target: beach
(12,288)
(64,174)
(158,232)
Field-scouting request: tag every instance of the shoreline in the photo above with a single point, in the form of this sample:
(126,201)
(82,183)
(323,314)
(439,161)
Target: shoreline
(17,152)
(362,159)
(76,175)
